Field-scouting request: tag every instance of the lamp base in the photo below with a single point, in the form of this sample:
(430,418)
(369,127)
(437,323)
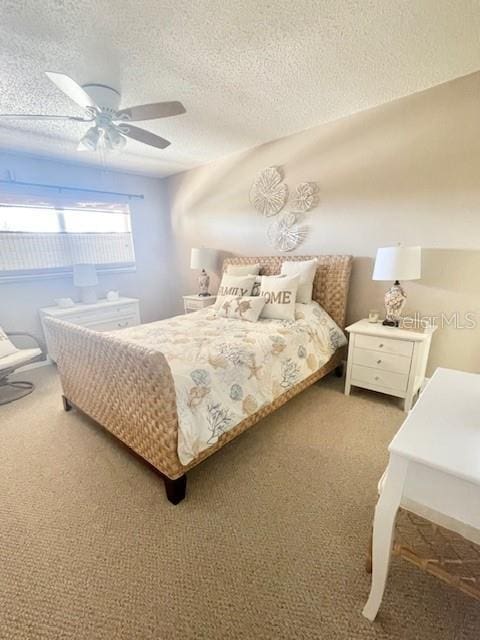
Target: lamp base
(88,295)
(203,284)
(395,299)
(390,323)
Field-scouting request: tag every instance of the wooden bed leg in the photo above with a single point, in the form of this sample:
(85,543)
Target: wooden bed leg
(176,489)
(339,371)
(66,404)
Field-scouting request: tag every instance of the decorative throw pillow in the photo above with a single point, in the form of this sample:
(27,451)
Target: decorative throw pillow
(243,269)
(6,346)
(258,283)
(234,286)
(241,308)
(280,294)
(305,270)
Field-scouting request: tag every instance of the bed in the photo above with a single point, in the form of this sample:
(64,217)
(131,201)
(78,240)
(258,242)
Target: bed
(176,391)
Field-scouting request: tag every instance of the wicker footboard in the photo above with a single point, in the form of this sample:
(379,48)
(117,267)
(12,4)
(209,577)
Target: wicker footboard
(129,390)
(124,387)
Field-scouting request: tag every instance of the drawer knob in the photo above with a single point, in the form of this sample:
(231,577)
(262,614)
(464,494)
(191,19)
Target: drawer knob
(381,345)
(379,362)
(377,378)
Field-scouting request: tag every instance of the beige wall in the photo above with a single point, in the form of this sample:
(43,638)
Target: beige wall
(408,171)
(151,282)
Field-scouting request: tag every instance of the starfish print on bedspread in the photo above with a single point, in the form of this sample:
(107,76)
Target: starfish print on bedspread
(254,370)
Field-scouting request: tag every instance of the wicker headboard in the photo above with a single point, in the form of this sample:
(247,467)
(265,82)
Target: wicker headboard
(330,287)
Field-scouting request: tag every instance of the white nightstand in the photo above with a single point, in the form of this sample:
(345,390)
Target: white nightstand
(387,359)
(195,302)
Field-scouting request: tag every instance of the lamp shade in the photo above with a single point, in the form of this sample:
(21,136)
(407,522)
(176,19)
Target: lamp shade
(203,259)
(398,263)
(85,275)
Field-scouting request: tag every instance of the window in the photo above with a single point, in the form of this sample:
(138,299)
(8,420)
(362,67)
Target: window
(29,219)
(40,237)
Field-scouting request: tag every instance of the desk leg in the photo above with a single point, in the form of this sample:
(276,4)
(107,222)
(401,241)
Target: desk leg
(383,528)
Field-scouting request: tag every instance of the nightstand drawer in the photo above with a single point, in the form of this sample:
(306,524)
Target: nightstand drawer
(375,378)
(381,361)
(388,345)
(196,304)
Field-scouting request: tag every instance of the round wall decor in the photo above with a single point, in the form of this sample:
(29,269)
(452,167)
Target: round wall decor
(269,193)
(284,233)
(304,197)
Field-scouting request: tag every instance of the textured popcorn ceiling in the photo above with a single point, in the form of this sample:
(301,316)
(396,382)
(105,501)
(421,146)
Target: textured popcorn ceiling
(248,71)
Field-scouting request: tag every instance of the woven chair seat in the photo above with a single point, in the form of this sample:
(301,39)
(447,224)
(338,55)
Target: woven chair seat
(437,544)
(438,551)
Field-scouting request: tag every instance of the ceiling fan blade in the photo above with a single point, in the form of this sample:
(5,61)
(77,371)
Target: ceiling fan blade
(72,89)
(144,136)
(41,116)
(151,111)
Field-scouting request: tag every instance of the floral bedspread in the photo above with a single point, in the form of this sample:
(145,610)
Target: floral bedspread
(225,369)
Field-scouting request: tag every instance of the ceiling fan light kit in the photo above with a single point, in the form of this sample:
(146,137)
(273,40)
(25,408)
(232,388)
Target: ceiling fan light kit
(111,126)
(90,140)
(113,139)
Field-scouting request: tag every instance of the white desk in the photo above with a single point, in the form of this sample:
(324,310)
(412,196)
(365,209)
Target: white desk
(435,463)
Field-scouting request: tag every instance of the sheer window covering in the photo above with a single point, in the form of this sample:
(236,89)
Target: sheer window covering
(45,235)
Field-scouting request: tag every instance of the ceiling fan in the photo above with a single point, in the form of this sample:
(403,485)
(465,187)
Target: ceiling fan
(110,125)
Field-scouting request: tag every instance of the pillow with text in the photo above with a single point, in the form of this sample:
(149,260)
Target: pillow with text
(234,286)
(280,295)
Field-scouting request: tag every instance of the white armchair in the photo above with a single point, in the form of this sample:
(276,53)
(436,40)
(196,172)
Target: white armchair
(12,358)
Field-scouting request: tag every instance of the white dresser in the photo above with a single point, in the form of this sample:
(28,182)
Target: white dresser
(104,315)
(387,359)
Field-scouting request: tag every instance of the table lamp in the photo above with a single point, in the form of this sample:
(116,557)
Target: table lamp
(204,259)
(85,277)
(396,263)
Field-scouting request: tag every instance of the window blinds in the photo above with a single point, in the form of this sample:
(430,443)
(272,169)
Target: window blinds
(75,231)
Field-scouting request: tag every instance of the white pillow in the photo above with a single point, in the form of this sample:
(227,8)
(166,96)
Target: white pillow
(6,345)
(241,308)
(306,272)
(243,269)
(258,283)
(280,294)
(234,286)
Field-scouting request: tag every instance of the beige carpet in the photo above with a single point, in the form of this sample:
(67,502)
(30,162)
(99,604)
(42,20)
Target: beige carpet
(91,549)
